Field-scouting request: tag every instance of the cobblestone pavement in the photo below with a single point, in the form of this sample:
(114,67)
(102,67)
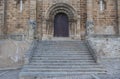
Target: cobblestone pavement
(9,74)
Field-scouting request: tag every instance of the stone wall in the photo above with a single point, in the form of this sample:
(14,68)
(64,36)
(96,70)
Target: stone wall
(16,21)
(106,21)
(1,16)
(118,15)
(106,47)
(12,53)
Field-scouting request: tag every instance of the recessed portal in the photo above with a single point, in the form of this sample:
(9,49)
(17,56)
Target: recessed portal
(61,25)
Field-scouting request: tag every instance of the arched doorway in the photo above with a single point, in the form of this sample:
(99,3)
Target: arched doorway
(61,20)
(61,25)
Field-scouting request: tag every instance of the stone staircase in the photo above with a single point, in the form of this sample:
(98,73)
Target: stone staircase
(60,58)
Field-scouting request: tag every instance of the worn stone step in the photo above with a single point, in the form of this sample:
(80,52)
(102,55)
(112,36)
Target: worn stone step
(62,63)
(64,70)
(57,74)
(60,45)
(61,42)
(63,46)
(63,66)
(63,58)
(62,52)
(54,55)
(56,58)
(69,49)
(84,60)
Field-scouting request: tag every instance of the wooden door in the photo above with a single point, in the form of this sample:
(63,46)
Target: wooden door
(61,25)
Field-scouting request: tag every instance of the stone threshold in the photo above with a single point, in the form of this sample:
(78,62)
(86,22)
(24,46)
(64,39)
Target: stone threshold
(61,39)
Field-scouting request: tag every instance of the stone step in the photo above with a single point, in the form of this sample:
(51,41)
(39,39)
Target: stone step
(63,46)
(59,73)
(61,49)
(64,70)
(61,42)
(63,61)
(80,76)
(61,55)
(57,56)
(38,50)
(64,52)
(63,66)
(62,58)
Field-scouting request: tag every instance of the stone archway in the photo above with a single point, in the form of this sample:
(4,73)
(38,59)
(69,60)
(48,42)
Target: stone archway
(72,18)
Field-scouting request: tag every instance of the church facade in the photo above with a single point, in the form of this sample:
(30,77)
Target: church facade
(77,15)
(97,22)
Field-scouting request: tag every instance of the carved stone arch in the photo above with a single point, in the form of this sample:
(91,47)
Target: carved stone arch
(61,6)
(54,10)
(62,10)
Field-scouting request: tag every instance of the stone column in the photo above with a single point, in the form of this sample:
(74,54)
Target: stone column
(89,23)
(78,35)
(119,15)
(70,29)
(32,26)
(44,29)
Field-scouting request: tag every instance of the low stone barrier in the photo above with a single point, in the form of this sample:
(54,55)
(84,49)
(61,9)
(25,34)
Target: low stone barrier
(105,47)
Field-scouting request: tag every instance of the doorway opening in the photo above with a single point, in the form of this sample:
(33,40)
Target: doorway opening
(61,25)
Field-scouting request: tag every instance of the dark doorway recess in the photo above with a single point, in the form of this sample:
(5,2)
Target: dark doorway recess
(61,25)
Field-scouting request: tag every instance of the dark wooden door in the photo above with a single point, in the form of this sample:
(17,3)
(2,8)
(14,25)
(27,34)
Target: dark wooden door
(61,25)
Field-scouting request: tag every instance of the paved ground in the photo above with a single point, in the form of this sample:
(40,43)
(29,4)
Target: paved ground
(9,74)
(13,74)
